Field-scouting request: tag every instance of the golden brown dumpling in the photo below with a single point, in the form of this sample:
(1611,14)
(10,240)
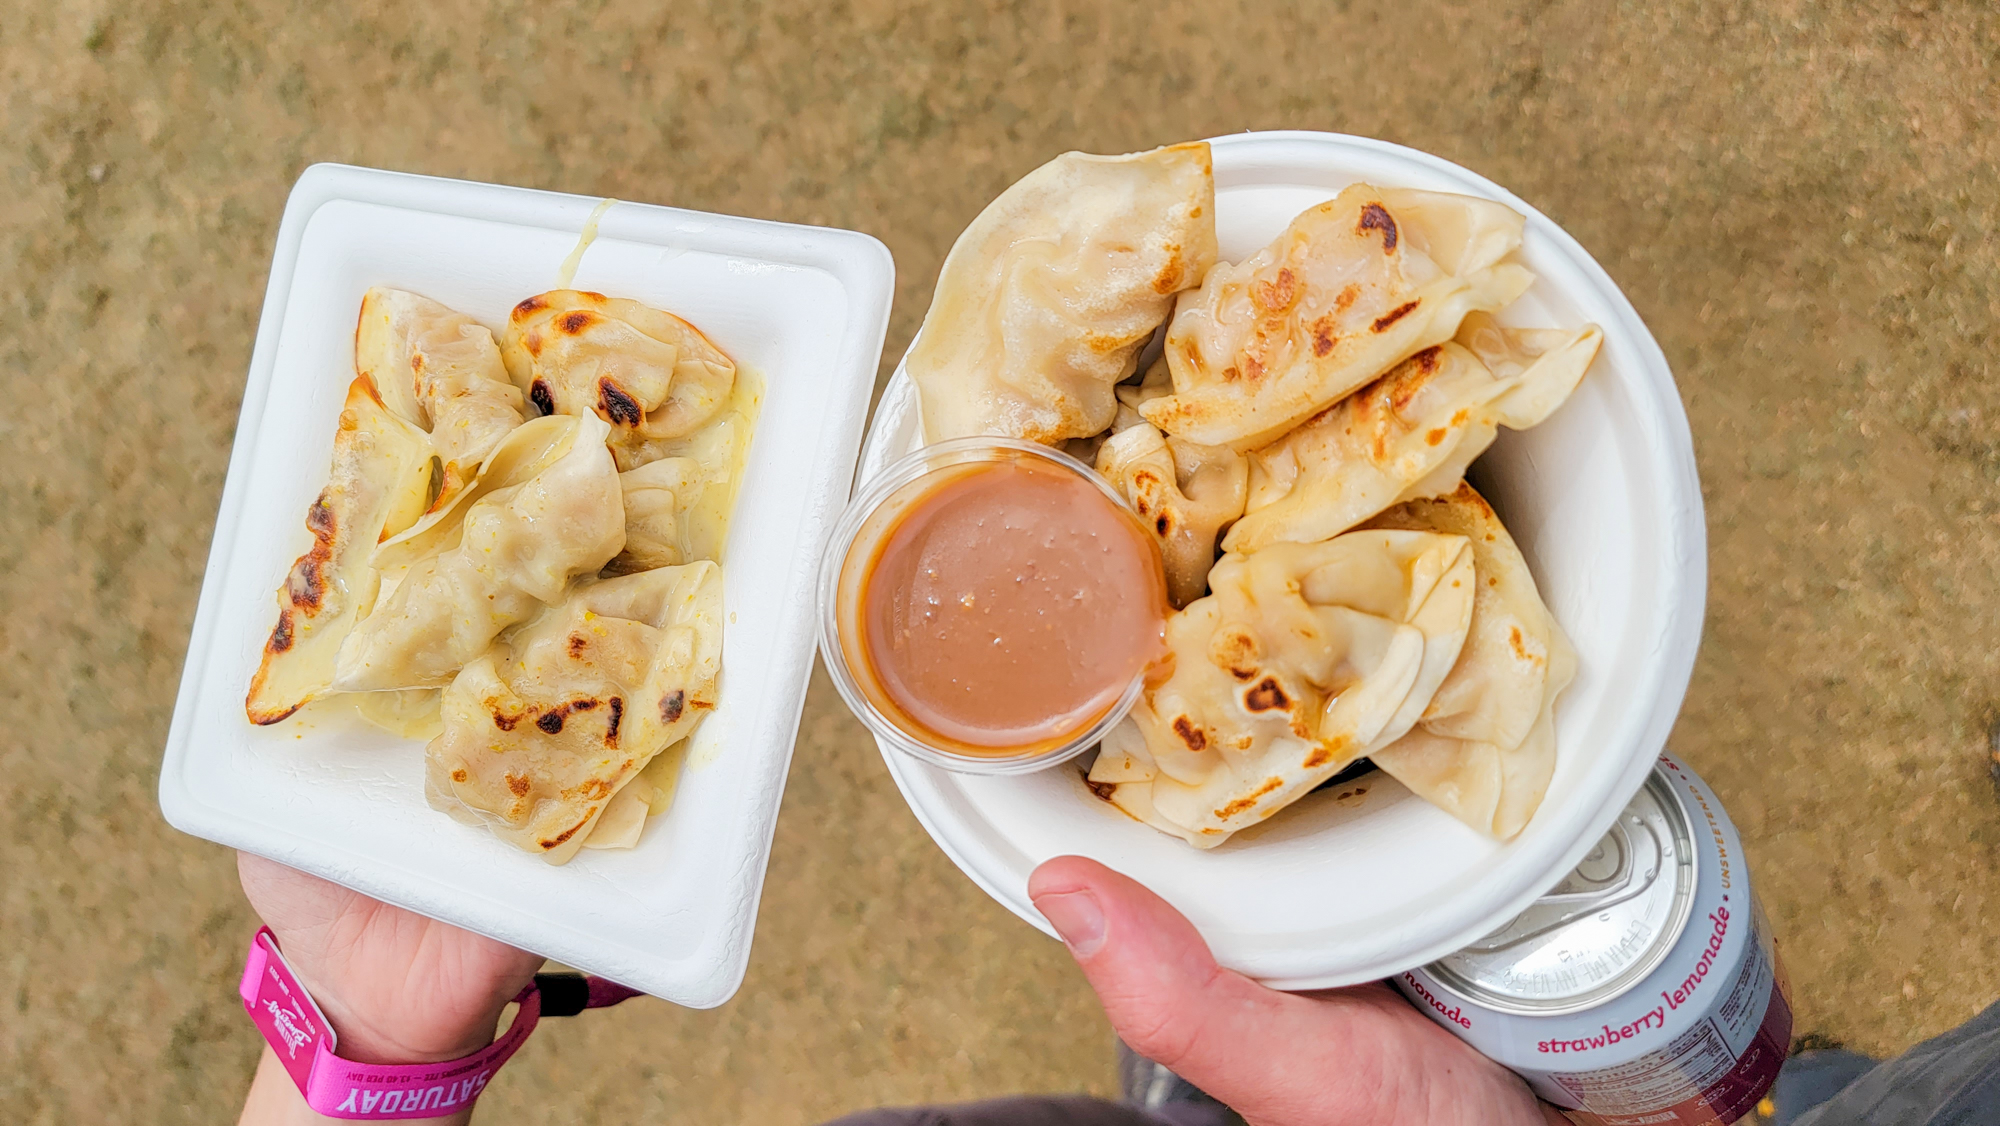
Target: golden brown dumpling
(1185,493)
(379,482)
(650,374)
(679,499)
(658,496)
(1485,750)
(441,370)
(1352,287)
(1048,296)
(1305,658)
(1411,433)
(545,729)
(518,547)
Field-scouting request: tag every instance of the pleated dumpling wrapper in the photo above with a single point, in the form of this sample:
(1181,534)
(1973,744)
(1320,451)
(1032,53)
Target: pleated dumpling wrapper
(380,482)
(678,507)
(1485,749)
(650,374)
(1305,658)
(544,729)
(1351,288)
(441,370)
(532,447)
(1411,433)
(1185,493)
(1048,296)
(659,496)
(555,514)
(646,796)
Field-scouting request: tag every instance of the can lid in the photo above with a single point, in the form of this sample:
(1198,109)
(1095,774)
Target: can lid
(1601,930)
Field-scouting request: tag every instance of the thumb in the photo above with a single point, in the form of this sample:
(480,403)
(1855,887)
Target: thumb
(1166,996)
(1352,1056)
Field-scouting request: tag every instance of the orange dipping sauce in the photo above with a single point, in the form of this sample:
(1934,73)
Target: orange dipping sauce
(1001,608)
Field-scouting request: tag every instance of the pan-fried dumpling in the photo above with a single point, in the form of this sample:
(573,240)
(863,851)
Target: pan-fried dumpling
(658,496)
(545,729)
(649,794)
(688,503)
(1485,749)
(1184,492)
(1352,287)
(379,482)
(1306,657)
(1047,298)
(533,446)
(442,371)
(1410,433)
(519,547)
(648,373)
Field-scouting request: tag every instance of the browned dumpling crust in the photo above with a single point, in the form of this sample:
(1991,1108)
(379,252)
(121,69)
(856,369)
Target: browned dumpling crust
(1305,658)
(379,483)
(545,728)
(648,373)
(1047,298)
(1485,749)
(1411,433)
(441,370)
(1353,286)
(518,548)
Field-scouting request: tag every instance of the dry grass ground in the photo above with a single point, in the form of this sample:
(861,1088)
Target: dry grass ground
(1800,198)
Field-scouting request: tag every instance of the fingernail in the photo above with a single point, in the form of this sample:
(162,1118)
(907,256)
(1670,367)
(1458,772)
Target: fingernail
(1076,917)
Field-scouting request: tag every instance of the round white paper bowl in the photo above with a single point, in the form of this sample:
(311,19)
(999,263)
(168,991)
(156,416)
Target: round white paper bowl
(1603,500)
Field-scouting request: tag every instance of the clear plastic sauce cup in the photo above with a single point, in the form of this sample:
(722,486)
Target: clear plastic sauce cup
(991,606)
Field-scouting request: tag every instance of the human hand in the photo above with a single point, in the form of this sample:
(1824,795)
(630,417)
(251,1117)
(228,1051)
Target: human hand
(1343,1057)
(397,987)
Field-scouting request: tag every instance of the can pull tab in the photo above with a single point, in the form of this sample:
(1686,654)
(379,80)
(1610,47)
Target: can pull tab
(1624,863)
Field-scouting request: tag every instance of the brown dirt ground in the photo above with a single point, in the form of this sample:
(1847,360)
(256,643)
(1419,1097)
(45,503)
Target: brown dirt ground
(1800,198)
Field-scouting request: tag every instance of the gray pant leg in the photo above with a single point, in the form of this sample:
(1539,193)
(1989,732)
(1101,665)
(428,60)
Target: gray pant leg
(1038,1111)
(1810,1079)
(1953,1080)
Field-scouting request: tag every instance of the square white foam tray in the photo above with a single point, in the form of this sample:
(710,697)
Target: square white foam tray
(803,308)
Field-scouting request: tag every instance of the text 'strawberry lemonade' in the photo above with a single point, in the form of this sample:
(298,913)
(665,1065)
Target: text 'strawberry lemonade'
(1644,990)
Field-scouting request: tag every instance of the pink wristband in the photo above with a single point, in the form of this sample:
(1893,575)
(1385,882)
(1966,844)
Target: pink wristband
(304,1042)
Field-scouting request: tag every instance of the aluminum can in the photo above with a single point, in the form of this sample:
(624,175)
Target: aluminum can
(1644,989)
